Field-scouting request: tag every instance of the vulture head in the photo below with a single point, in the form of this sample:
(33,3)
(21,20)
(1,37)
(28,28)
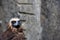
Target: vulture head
(15,24)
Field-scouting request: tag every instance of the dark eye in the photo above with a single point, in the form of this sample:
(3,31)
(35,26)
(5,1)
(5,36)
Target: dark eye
(13,22)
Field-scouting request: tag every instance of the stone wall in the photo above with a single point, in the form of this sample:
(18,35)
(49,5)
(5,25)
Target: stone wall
(28,10)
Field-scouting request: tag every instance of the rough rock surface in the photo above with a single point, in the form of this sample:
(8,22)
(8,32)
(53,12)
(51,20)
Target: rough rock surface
(28,10)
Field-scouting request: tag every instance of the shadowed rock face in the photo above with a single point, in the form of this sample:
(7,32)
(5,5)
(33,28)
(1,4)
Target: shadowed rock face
(51,21)
(0,2)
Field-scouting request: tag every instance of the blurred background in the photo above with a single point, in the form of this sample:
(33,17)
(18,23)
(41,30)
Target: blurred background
(42,17)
